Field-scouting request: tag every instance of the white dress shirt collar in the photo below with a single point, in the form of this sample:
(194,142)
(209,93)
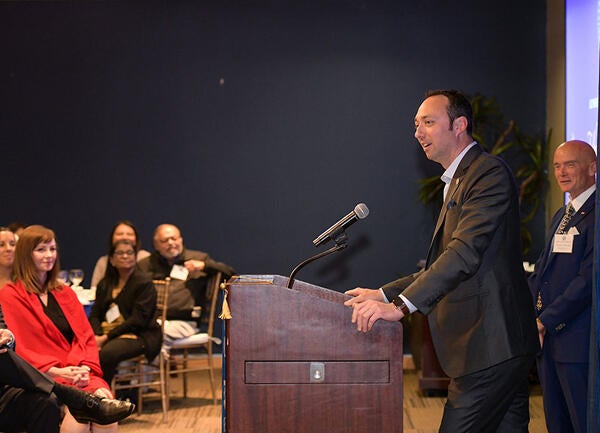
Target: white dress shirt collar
(449,173)
(578,201)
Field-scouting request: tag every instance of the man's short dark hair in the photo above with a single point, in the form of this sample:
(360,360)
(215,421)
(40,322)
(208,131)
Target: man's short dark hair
(458,105)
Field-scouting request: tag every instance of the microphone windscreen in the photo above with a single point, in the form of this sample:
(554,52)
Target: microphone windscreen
(361,210)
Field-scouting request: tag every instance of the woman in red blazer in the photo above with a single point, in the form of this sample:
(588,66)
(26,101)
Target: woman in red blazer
(49,323)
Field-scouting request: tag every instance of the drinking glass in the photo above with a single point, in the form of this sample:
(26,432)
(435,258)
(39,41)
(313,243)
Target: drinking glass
(64,277)
(76,277)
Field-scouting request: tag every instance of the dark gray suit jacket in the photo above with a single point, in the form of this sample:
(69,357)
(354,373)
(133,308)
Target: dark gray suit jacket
(473,287)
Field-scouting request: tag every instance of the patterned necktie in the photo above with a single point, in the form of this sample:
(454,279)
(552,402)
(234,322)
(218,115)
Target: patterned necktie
(565,219)
(564,222)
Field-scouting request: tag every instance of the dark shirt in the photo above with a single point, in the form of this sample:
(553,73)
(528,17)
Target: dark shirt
(137,307)
(54,312)
(184,295)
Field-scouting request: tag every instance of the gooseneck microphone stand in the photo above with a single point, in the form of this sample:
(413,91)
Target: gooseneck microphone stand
(341,241)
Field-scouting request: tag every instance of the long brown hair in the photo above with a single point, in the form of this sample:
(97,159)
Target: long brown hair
(24,268)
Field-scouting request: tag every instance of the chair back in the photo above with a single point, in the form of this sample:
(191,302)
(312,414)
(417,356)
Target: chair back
(213,287)
(162,300)
(182,351)
(137,372)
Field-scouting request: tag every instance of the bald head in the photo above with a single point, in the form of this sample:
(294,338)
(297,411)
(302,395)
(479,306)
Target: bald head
(168,241)
(575,166)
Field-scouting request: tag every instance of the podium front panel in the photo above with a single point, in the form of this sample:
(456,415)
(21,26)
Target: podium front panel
(295,363)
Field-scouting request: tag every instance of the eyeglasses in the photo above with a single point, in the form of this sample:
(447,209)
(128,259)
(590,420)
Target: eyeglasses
(124,253)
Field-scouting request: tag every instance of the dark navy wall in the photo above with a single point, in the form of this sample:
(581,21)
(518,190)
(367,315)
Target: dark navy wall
(253,125)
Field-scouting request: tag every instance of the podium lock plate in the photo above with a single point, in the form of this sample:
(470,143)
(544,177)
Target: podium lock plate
(317,372)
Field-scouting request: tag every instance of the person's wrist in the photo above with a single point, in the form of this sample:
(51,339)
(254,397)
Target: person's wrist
(540,325)
(11,339)
(400,305)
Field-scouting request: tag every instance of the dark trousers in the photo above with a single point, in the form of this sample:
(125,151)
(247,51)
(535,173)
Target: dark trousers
(117,350)
(564,388)
(17,372)
(494,400)
(26,399)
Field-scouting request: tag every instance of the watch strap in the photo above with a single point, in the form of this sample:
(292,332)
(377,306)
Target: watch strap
(400,305)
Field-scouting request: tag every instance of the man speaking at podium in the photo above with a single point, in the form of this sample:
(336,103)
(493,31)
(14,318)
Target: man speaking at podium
(472,288)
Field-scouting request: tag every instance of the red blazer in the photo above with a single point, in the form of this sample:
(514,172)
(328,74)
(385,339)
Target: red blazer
(40,342)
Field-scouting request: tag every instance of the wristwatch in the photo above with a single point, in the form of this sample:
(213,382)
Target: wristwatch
(400,305)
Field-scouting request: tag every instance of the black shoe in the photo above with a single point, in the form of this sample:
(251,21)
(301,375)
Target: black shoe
(102,410)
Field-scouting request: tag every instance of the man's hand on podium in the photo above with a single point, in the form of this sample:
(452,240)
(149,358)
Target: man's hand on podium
(368,307)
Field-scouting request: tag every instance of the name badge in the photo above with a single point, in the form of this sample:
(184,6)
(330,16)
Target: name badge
(113,313)
(179,272)
(573,231)
(563,243)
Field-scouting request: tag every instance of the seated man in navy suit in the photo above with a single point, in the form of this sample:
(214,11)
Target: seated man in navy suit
(561,286)
(29,400)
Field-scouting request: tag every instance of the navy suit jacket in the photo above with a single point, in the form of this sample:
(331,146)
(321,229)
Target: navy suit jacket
(473,287)
(565,283)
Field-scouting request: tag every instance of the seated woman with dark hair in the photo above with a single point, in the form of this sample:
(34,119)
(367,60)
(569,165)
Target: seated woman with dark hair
(121,230)
(49,324)
(8,242)
(124,314)
(17,227)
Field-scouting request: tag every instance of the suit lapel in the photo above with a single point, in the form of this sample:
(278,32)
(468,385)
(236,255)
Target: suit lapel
(553,227)
(449,201)
(587,207)
(583,211)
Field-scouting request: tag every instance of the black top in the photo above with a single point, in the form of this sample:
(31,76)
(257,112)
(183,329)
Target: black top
(54,312)
(137,305)
(184,295)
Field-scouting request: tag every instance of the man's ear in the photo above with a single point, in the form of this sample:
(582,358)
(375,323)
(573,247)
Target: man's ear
(459,125)
(592,168)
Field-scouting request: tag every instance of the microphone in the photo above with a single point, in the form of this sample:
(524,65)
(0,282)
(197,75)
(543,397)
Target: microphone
(361,211)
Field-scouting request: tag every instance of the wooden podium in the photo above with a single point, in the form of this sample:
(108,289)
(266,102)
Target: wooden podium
(294,363)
